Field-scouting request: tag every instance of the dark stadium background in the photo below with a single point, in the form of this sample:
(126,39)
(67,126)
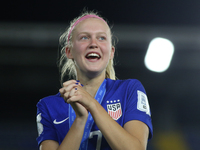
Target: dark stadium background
(29,32)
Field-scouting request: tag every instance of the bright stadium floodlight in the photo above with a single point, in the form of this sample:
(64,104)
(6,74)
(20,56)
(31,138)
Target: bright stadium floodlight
(159,55)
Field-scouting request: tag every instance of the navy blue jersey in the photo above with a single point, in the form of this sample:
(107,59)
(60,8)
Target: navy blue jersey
(125,100)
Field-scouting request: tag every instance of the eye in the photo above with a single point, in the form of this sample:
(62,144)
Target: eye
(102,38)
(84,38)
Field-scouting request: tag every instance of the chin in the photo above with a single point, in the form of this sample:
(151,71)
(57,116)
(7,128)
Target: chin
(95,73)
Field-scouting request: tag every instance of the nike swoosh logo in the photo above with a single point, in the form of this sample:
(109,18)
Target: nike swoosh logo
(59,122)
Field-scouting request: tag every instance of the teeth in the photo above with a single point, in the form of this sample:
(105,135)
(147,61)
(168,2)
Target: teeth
(93,55)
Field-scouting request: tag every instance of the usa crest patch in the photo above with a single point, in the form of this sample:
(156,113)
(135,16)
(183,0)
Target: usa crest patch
(114,109)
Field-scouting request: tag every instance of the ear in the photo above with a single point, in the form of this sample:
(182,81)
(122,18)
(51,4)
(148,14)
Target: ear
(112,52)
(68,53)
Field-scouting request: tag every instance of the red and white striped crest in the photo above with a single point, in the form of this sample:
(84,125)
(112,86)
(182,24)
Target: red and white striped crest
(114,110)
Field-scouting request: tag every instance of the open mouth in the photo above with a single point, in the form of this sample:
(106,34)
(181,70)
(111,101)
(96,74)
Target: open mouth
(93,56)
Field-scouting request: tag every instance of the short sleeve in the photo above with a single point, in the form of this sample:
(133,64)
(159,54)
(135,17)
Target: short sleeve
(46,130)
(137,105)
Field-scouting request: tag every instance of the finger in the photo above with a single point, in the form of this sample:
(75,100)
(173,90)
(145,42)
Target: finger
(75,98)
(81,85)
(67,83)
(68,88)
(66,96)
(73,92)
(63,92)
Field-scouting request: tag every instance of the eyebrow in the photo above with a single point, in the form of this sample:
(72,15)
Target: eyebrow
(89,33)
(98,33)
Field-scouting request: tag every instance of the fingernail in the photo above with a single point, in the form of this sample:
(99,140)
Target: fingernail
(75,88)
(77,81)
(81,84)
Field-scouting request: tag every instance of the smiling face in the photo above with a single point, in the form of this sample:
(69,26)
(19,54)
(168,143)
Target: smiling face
(91,47)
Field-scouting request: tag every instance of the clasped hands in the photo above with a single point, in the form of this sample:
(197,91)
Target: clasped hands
(74,94)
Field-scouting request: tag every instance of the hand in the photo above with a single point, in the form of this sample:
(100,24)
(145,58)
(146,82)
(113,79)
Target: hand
(69,90)
(83,97)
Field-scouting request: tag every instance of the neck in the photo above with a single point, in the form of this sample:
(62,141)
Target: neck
(91,85)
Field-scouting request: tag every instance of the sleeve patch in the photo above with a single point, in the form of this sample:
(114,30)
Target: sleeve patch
(39,124)
(143,104)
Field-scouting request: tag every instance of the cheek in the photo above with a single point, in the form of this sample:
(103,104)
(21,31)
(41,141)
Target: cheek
(80,45)
(77,49)
(108,49)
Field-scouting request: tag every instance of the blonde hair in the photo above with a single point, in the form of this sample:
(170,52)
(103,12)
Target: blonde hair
(67,65)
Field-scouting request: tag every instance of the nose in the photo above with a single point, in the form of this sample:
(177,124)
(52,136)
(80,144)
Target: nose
(93,43)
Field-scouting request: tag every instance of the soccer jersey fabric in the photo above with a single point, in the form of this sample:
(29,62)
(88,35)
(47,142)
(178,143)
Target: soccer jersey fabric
(124,100)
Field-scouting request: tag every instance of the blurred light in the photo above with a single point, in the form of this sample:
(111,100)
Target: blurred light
(159,55)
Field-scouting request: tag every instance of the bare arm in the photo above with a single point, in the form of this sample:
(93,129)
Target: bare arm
(132,136)
(73,138)
(71,141)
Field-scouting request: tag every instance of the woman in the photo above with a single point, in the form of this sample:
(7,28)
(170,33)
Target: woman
(94,111)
